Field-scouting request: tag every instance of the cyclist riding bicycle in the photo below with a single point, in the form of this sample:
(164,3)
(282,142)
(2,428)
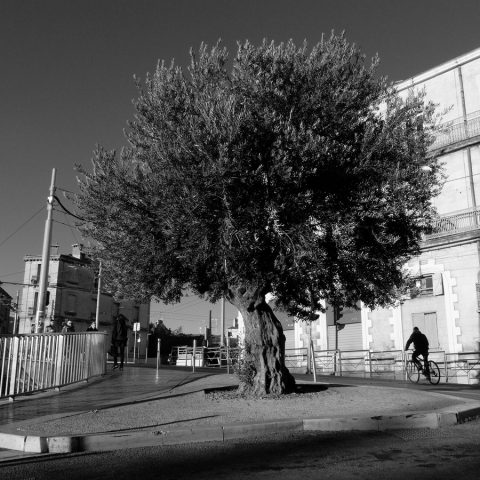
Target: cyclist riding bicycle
(420,344)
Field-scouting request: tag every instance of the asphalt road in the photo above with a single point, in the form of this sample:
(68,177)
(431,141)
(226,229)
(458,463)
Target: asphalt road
(439,454)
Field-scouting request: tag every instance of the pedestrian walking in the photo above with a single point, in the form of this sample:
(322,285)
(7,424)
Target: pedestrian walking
(119,340)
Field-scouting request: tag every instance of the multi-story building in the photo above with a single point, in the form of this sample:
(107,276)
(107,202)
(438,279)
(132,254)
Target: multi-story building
(72,294)
(5,308)
(445,304)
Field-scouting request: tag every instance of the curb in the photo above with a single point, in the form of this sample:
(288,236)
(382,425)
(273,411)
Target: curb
(223,433)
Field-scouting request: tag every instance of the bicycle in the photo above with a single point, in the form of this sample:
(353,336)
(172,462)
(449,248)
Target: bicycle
(413,371)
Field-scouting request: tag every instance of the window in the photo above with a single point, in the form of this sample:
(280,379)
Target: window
(427,285)
(427,323)
(71,305)
(424,285)
(36,278)
(71,274)
(35,303)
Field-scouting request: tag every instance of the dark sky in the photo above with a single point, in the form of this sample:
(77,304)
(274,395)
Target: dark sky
(66,76)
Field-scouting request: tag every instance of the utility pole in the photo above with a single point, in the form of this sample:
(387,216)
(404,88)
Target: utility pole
(99,293)
(222,313)
(40,316)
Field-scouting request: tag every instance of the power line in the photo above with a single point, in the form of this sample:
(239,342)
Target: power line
(188,303)
(16,283)
(67,225)
(65,190)
(72,229)
(61,223)
(10,274)
(21,226)
(65,209)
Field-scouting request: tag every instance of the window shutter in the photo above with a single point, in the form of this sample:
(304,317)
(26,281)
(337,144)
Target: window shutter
(431,330)
(477,285)
(418,320)
(427,323)
(437,284)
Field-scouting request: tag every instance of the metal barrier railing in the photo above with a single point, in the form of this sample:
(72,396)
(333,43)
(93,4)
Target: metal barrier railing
(204,356)
(387,363)
(459,222)
(462,367)
(35,362)
(457,130)
(324,361)
(368,363)
(296,359)
(459,367)
(353,362)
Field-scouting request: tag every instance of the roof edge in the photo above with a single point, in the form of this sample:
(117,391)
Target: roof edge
(435,71)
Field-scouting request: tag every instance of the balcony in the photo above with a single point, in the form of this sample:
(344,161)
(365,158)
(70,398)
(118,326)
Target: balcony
(458,223)
(457,131)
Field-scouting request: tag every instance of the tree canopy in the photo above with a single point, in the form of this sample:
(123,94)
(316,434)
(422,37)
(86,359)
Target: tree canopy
(286,169)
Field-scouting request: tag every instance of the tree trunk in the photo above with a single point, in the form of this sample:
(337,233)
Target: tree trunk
(264,345)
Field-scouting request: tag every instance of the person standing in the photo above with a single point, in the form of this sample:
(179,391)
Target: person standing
(68,327)
(119,340)
(49,328)
(420,347)
(92,327)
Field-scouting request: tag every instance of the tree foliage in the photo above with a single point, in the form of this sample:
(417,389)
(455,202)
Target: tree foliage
(288,170)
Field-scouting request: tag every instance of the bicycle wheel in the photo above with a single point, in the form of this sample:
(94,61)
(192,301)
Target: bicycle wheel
(412,372)
(434,372)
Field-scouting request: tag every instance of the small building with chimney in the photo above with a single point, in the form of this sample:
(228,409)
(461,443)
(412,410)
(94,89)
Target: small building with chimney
(72,295)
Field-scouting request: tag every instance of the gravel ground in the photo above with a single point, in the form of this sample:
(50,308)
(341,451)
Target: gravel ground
(224,407)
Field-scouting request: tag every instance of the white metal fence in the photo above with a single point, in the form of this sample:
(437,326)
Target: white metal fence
(389,364)
(204,356)
(36,362)
(454,367)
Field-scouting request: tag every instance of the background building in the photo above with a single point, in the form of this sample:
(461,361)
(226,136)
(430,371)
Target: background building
(445,302)
(5,304)
(72,294)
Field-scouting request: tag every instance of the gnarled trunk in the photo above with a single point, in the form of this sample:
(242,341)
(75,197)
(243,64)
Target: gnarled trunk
(264,345)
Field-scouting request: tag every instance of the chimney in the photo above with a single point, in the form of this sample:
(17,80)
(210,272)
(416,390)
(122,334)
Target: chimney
(77,251)
(54,249)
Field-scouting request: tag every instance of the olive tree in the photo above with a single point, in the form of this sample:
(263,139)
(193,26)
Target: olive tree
(286,170)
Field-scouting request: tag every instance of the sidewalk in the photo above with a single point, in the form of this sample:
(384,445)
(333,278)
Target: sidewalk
(139,407)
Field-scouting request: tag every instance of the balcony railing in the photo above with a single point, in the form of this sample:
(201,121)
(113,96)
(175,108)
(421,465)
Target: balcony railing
(457,130)
(457,223)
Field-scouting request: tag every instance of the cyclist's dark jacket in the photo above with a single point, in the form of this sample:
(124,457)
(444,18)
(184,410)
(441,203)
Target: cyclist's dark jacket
(419,341)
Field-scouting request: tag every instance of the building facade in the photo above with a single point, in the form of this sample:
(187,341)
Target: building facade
(5,309)
(445,302)
(72,294)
